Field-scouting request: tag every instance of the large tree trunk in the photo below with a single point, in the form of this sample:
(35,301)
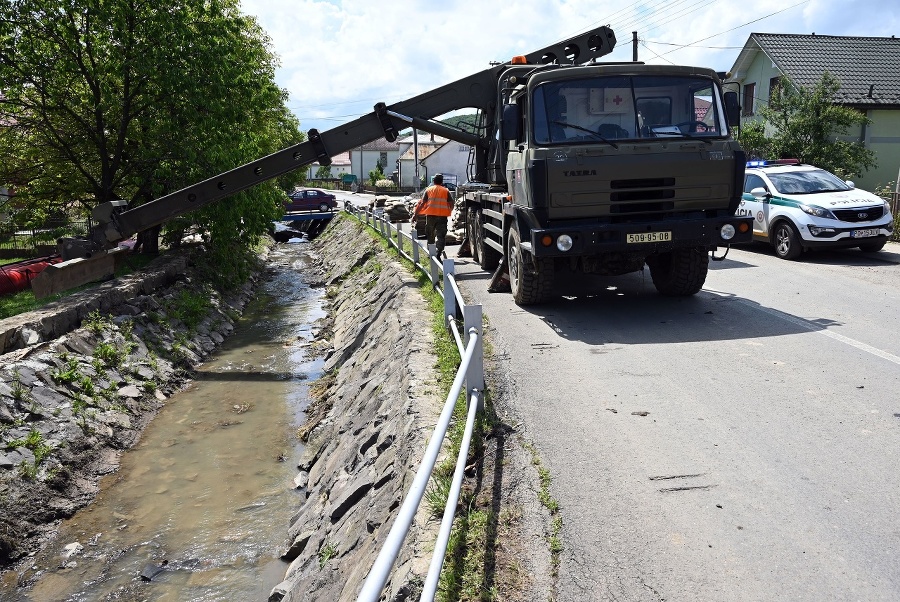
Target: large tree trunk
(148,241)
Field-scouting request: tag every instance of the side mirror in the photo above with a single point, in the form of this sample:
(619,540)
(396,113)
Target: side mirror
(850,183)
(511,126)
(759,193)
(732,109)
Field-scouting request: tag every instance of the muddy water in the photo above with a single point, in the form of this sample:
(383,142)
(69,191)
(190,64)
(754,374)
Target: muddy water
(208,490)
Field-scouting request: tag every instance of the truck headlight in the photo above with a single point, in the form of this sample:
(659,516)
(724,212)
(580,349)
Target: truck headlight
(564,242)
(727,232)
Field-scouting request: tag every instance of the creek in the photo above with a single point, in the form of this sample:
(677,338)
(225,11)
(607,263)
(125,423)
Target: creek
(207,494)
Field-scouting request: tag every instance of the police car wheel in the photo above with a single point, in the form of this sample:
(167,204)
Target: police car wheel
(872,247)
(786,241)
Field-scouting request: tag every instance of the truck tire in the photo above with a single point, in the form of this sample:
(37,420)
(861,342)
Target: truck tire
(679,273)
(487,257)
(530,285)
(472,228)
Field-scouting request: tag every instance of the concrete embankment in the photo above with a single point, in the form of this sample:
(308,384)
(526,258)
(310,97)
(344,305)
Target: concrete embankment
(369,424)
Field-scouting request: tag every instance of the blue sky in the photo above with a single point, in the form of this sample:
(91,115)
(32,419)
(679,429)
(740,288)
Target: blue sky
(340,57)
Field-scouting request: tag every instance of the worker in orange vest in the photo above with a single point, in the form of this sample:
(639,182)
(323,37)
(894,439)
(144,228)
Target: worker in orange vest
(436,205)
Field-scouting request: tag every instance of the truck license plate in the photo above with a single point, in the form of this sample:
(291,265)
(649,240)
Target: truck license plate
(649,237)
(864,233)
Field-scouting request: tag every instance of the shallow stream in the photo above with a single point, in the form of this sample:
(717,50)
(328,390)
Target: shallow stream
(207,494)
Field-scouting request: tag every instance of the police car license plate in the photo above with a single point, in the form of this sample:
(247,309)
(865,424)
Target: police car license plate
(864,233)
(649,237)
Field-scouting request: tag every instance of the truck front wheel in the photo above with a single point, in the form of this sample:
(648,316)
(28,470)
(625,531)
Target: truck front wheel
(679,273)
(530,279)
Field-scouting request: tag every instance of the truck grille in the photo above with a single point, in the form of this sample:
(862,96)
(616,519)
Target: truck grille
(865,214)
(641,195)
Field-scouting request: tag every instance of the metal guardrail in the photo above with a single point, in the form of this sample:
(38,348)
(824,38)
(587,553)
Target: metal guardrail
(470,374)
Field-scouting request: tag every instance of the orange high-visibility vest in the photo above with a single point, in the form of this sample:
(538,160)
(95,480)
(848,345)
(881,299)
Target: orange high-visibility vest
(435,201)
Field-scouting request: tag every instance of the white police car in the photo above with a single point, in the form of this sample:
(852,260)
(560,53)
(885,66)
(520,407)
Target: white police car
(797,207)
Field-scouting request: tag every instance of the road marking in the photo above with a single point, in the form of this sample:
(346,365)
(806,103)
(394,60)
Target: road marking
(811,327)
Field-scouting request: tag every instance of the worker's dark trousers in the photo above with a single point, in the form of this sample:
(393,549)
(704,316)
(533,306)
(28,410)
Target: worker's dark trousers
(436,231)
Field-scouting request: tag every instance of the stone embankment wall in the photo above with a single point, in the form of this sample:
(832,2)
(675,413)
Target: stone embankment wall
(79,380)
(376,408)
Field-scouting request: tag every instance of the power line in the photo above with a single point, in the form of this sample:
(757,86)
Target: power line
(738,27)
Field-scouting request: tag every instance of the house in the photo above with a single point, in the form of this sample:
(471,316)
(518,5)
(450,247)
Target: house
(866,68)
(340,164)
(364,158)
(436,155)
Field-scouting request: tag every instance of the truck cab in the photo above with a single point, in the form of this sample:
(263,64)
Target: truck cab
(611,167)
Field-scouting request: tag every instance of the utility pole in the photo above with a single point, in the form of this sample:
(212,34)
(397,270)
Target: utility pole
(416,156)
(634,45)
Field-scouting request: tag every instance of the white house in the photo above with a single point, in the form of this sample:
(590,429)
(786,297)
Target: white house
(363,159)
(340,164)
(436,155)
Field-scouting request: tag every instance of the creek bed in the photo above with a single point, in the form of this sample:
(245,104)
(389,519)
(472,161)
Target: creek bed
(207,494)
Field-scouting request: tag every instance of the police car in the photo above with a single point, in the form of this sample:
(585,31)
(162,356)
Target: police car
(797,207)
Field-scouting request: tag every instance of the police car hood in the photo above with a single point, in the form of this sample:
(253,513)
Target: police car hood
(845,199)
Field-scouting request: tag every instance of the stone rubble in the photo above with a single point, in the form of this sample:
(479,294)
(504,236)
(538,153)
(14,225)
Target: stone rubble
(380,406)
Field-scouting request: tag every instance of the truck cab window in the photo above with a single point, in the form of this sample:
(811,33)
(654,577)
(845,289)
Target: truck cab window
(625,107)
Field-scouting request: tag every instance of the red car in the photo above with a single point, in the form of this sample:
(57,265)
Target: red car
(310,199)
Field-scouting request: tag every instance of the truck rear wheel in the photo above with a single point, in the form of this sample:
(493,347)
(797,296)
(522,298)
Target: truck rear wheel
(530,283)
(679,273)
(487,257)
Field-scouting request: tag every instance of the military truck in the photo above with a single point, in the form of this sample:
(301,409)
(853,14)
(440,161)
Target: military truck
(608,168)
(588,166)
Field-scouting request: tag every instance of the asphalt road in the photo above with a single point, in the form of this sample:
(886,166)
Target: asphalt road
(741,444)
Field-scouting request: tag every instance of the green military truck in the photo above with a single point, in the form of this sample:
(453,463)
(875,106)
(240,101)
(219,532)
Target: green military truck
(608,168)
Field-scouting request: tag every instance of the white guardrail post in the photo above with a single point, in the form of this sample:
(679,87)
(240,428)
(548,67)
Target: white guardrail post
(472,323)
(449,296)
(432,265)
(414,237)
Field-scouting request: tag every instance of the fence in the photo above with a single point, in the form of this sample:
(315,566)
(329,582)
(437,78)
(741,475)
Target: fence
(33,242)
(470,374)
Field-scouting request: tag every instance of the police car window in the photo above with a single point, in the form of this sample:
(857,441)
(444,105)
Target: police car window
(808,182)
(753,181)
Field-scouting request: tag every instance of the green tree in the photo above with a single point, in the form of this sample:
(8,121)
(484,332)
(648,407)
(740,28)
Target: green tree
(376,174)
(323,172)
(129,99)
(806,125)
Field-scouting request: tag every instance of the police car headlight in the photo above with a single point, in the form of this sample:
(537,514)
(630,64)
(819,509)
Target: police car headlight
(564,243)
(817,211)
(727,232)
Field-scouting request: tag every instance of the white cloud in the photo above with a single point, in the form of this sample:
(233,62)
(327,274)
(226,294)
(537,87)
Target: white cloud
(340,57)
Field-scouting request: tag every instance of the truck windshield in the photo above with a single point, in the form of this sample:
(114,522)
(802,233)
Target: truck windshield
(636,107)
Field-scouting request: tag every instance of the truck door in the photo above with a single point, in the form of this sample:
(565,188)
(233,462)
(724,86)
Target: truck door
(758,208)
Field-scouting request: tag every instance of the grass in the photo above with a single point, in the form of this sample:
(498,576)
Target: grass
(326,553)
(190,307)
(553,539)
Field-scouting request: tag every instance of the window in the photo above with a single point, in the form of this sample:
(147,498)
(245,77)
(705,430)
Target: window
(752,181)
(773,86)
(382,160)
(749,97)
(604,108)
